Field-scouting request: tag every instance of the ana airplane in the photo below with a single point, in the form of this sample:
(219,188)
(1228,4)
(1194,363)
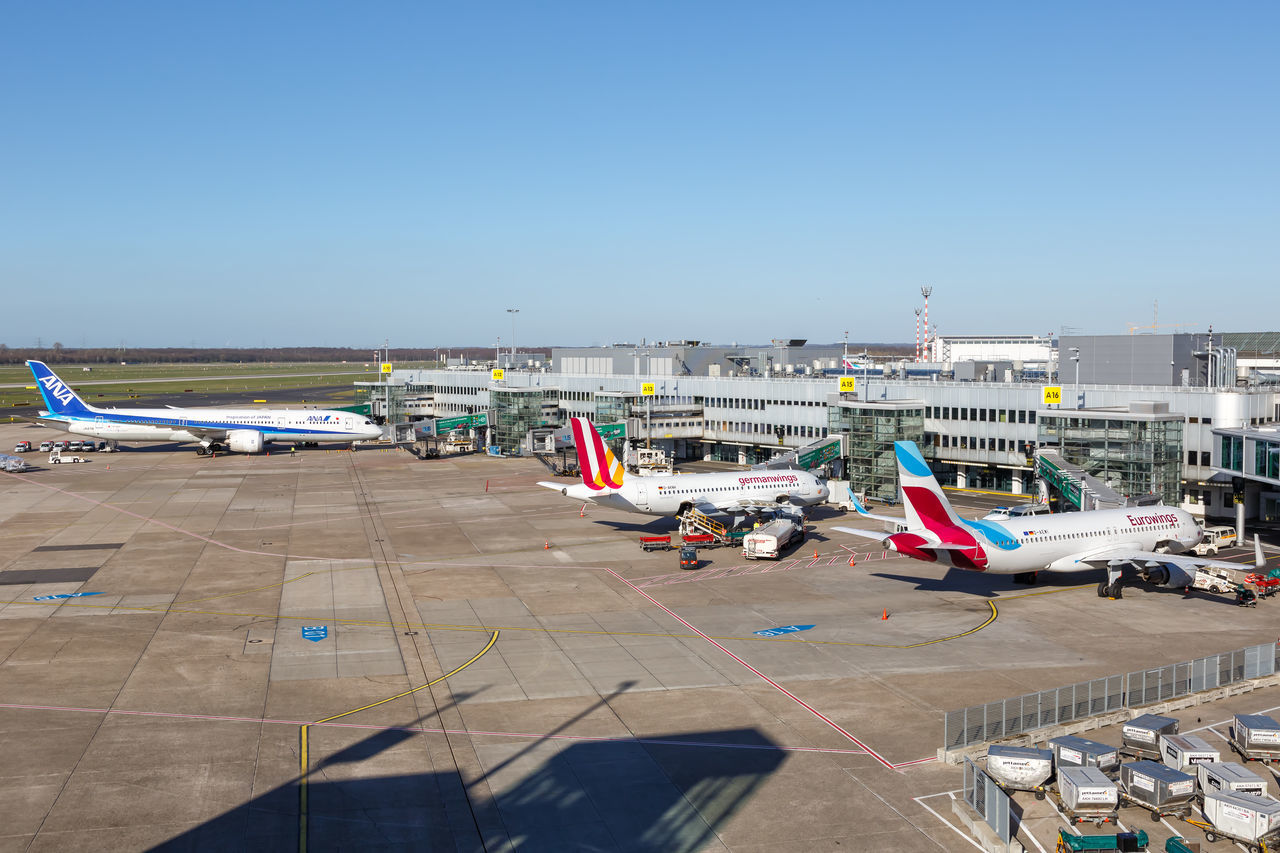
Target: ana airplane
(736,492)
(1149,538)
(240,430)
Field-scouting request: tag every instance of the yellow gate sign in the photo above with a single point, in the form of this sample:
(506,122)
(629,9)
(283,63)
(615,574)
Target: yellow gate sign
(847,384)
(496,374)
(386,367)
(648,389)
(1052,395)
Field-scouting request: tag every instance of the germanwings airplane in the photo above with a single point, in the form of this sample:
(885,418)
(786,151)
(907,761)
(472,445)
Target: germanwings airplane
(240,430)
(1149,538)
(735,492)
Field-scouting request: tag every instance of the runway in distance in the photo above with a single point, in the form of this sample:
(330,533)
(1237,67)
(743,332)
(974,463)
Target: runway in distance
(238,430)
(1151,539)
(732,493)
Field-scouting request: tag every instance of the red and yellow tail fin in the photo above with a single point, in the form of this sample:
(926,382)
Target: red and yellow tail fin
(600,469)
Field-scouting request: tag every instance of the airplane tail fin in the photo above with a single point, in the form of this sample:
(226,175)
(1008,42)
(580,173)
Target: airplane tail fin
(926,505)
(58,396)
(600,469)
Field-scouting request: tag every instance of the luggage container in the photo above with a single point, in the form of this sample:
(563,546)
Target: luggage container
(1183,751)
(1256,737)
(1086,794)
(1159,789)
(1141,736)
(1020,768)
(1072,751)
(1248,818)
(1229,776)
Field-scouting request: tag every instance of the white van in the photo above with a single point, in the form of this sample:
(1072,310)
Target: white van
(1215,539)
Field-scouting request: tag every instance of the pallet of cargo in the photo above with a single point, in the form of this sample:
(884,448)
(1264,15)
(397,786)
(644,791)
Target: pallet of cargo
(1020,768)
(1085,794)
(1140,737)
(1159,789)
(1256,737)
(1249,819)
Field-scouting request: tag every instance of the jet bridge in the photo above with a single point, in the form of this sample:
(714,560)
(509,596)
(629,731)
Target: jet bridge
(1077,487)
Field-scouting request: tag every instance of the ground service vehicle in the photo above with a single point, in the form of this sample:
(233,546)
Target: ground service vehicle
(768,540)
(688,557)
(1214,580)
(1214,539)
(46,446)
(22,447)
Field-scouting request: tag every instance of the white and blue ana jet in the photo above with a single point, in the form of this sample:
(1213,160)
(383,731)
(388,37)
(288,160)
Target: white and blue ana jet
(1151,539)
(239,430)
(733,493)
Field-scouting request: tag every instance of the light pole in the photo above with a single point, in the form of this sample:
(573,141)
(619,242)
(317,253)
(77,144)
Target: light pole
(513,312)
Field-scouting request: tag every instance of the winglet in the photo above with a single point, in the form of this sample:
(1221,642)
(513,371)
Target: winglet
(857,504)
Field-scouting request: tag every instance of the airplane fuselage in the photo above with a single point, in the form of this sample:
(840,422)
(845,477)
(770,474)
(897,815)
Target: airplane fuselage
(173,424)
(1059,542)
(670,495)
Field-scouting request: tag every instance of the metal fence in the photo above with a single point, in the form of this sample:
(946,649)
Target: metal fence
(987,799)
(981,723)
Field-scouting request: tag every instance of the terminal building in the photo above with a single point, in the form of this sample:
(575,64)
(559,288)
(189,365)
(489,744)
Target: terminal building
(1140,417)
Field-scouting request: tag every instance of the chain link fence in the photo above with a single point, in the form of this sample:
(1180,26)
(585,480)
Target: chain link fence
(987,799)
(994,720)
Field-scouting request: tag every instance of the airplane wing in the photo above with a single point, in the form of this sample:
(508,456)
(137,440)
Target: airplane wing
(865,534)
(1111,555)
(205,432)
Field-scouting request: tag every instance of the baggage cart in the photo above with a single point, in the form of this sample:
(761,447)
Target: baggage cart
(1159,789)
(1178,844)
(1252,820)
(1121,842)
(700,540)
(1072,751)
(1020,768)
(1256,737)
(1086,794)
(1141,736)
(1228,776)
(1183,751)
(655,543)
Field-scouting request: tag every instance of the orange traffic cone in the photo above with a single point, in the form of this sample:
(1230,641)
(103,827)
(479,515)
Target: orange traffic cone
(547,545)
(884,615)
(582,513)
(852,558)
(815,553)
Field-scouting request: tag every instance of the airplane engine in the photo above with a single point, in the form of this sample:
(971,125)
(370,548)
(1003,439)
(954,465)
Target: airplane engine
(1168,574)
(245,441)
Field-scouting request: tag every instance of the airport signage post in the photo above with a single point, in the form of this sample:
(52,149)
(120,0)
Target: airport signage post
(847,384)
(1052,395)
(496,374)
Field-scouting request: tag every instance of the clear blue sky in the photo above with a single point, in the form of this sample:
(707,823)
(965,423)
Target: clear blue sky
(340,173)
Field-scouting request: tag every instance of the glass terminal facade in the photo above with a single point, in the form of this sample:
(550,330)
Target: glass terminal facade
(1134,453)
(870,429)
(515,411)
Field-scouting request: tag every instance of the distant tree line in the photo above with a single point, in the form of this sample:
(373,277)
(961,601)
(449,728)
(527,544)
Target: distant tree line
(58,354)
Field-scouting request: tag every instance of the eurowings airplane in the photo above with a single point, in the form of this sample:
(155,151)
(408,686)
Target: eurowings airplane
(240,430)
(737,492)
(1149,538)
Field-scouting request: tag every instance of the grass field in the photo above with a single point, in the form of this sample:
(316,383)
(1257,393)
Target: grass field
(278,384)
